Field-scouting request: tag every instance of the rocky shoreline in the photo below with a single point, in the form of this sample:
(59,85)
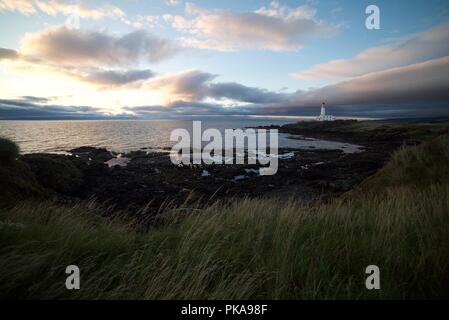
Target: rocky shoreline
(148,178)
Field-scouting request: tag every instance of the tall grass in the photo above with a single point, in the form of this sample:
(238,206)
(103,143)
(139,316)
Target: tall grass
(248,249)
(9,151)
(418,166)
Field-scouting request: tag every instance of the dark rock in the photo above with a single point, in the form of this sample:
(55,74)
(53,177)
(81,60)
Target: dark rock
(135,154)
(92,154)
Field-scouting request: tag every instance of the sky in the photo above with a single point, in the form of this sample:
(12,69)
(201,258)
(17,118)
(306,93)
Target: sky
(151,59)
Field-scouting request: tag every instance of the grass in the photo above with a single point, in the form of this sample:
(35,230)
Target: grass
(55,172)
(9,151)
(17,180)
(419,167)
(377,130)
(247,249)
(34,176)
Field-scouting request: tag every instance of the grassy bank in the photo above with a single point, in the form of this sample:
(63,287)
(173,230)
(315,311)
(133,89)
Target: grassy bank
(397,220)
(373,130)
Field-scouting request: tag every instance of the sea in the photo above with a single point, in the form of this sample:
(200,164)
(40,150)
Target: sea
(121,136)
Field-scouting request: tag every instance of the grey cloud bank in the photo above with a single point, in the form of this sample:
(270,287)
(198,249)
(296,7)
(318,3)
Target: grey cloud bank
(8,54)
(426,81)
(195,85)
(430,44)
(35,108)
(115,77)
(62,45)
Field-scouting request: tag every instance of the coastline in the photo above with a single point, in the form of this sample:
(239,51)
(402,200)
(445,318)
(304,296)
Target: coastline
(147,177)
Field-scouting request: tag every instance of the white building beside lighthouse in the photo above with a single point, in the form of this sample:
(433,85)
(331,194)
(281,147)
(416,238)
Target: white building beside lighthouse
(323,116)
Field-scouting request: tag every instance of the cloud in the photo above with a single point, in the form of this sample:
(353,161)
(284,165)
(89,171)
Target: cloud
(180,107)
(239,92)
(140,21)
(276,28)
(8,54)
(114,77)
(38,108)
(187,109)
(35,99)
(54,7)
(430,44)
(23,6)
(78,47)
(189,85)
(172,2)
(425,81)
(93,57)
(390,93)
(420,89)
(110,61)
(195,85)
(98,76)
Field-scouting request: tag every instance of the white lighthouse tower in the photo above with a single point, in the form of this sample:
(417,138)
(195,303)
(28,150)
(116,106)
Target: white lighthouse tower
(323,116)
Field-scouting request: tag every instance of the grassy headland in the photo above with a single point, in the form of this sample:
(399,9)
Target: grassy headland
(247,249)
(374,130)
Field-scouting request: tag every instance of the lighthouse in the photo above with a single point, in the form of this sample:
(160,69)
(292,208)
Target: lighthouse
(323,110)
(323,116)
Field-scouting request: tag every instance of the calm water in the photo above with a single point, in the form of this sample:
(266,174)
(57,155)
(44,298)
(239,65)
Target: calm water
(128,135)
